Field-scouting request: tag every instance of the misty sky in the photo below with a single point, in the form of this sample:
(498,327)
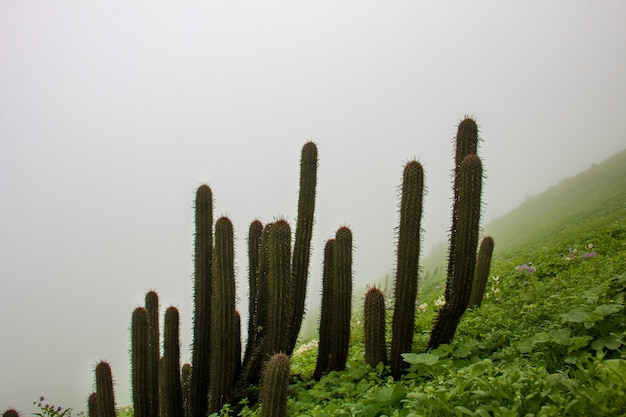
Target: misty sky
(113,112)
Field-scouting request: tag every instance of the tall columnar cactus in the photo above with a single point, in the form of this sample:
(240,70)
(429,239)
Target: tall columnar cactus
(223,347)
(11,412)
(374,327)
(162,388)
(466,143)
(302,244)
(236,335)
(464,244)
(407,265)
(254,243)
(481,274)
(275,386)
(203,259)
(185,382)
(154,351)
(342,299)
(281,288)
(92,405)
(140,363)
(325,335)
(171,355)
(105,396)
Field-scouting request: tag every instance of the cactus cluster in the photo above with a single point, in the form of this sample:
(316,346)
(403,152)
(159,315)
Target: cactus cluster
(278,274)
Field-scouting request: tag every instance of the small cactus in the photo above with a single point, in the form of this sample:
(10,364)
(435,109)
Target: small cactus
(11,412)
(171,369)
(275,386)
(92,405)
(483,266)
(105,397)
(254,244)
(154,351)
(185,382)
(374,327)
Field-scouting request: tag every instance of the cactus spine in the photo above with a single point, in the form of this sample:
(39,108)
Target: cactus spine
(302,244)
(223,347)
(460,275)
(325,336)
(154,351)
(275,386)
(374,327)
(105,397)
(140,363)
(171,355)
(342,299)
(407,265)
(483,265)
(203,257)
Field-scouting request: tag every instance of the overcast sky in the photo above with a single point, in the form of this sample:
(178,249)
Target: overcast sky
(113,112)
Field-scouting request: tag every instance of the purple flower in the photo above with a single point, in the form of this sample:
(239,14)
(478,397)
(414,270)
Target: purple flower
(588,255)
(41,398)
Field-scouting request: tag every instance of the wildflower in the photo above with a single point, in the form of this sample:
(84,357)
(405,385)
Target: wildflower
(590,246)
(526,268)
(588,255)
(496,278)
(422,307)
(441,301)
(41,399)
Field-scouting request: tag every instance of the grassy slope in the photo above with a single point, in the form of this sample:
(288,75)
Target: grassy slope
(548,343)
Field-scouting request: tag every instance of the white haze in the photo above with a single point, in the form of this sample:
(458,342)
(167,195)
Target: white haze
(113,112)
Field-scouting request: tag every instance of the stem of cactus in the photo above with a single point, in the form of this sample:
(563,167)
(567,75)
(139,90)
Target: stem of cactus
(302,244)
(171,353)
(325,336)
(154,351)
(223,347)
(92,405)
(185,382)
(374,327)
(203,259)
(105,396)
(483,266)
(140,363)
(275,386)
(342,299)
(254,245)
(407,265)
(459,282)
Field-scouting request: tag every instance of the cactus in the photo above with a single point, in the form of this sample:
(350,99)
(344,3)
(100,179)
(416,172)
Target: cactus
(154,351)
(203,257)
(281,288)
(105,397)
(11,412)
(275,386)
(302,244)
(342,299)
(162,389)
(254,243)
(325,336)
(463,246)
(185,383)
(407,265)
(139,363)
(481,274)
(92,405)
(236,336)
(374,327)
(171,369)
(466,143)
(223,347)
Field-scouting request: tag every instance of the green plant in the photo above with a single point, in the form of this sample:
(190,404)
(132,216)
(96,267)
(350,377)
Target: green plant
(203,258)
(407,264)
(374,327)
(139,362)
(92,405)
(341,307)
(481,274)
(275,386)
(223,345)
(325,330)
(105,396)
(45,410)
(254,245)
(302,243)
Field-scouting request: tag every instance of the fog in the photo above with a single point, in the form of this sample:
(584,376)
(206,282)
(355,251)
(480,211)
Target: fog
(113,113)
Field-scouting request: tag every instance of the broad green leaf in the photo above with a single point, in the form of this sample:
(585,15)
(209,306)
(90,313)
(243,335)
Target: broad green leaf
(526,346)
(464,410)
(606,309)
(575,316)
(420,358)
(562,337)
(462,352)
(611,342)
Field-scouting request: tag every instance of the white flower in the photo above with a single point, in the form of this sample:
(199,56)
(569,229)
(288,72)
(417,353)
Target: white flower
(441,301)
(422,307)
